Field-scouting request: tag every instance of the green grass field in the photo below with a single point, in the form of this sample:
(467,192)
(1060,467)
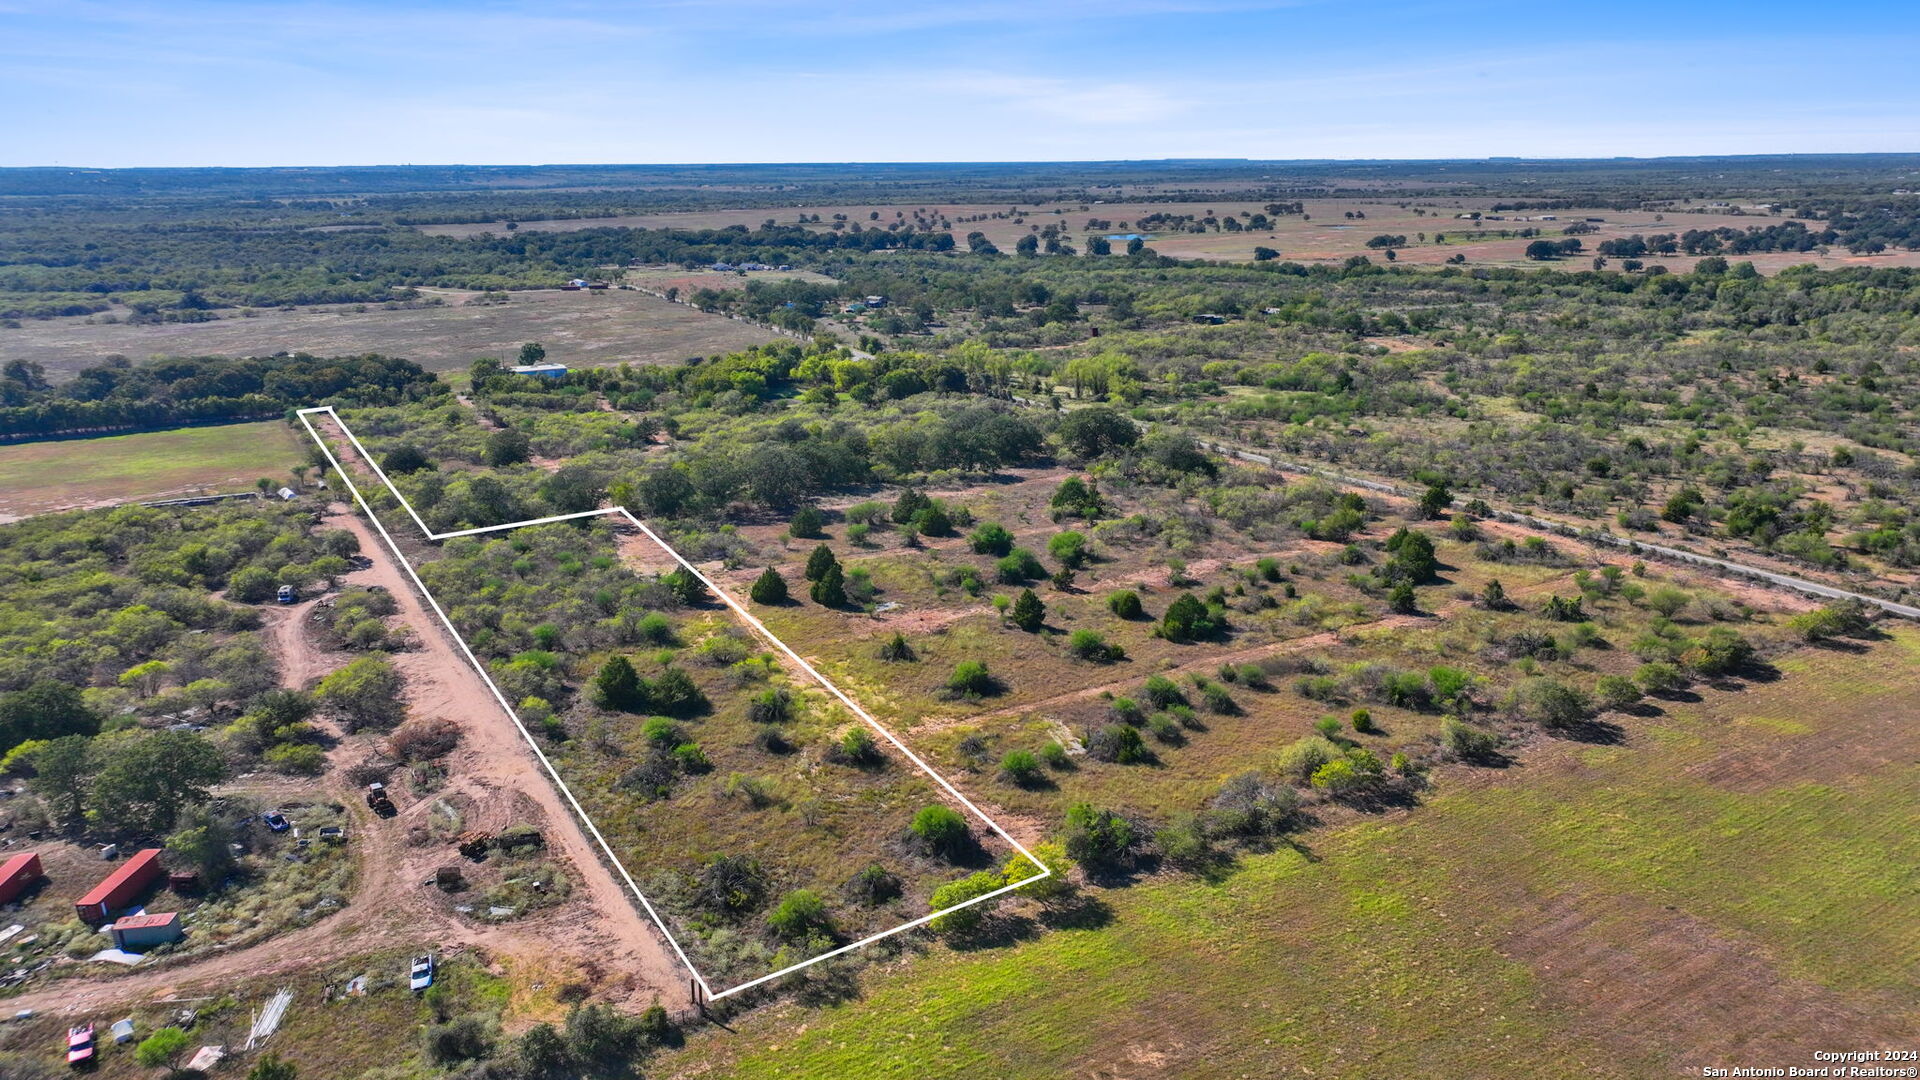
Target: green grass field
(1721,888)
(64,475)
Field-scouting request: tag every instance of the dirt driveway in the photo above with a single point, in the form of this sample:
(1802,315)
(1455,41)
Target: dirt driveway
(495,782)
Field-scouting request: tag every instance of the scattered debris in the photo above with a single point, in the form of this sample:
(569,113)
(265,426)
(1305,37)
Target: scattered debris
(265,1022)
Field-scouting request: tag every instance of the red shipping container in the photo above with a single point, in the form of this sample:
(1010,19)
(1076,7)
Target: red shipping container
(120,887)
(18,873)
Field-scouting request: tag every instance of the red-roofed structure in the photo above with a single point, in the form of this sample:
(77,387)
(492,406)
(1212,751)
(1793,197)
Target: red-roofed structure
(120,887)
(138,931)
(18,873)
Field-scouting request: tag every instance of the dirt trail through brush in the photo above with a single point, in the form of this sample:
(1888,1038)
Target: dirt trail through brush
(493,779)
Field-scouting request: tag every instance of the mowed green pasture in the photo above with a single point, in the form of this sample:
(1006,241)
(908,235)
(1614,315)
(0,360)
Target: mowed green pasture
(62,475)
(1718,888)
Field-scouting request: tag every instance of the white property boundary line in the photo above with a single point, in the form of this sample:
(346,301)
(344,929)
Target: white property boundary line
(739,609)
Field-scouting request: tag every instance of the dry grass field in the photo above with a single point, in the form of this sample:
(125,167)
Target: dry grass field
(68,475)
(1731,883)
(584,328)
(1326,235)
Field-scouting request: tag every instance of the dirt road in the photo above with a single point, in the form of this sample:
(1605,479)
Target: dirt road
(494,782)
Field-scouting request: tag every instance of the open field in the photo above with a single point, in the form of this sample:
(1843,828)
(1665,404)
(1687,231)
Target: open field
(67,475)
(1325,234)
(1730,884)
(584,328)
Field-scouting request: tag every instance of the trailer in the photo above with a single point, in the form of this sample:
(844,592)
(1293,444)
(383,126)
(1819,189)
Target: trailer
(120,887)
(18,874)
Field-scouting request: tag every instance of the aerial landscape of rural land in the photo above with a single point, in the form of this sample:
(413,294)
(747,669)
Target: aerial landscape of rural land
(1164,538)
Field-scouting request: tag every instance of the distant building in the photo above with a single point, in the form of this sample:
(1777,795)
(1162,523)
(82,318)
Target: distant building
(876,301)
(545,371)
(144,931)
(288,493)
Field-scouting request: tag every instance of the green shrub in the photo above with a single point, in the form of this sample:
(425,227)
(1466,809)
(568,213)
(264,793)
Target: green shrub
(1188,619)
(1126,604)
(805,524)
(1090,645)
(967,919)
(800,915)
(896,649)
(1161,692)
(857,747)
(1019,567)
(769,587)
(1056,756)
(941,830)
(1466,742)
(990,538)
(1616,691)
(1020,768)
(1166,729)
(873,885)
(1098,839)
(971,678)
(1119,744)
(1303,757)
(1068,548)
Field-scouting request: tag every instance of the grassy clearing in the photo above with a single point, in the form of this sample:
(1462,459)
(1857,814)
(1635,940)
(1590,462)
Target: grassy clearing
(64,475)
(1496,930)
(583,328)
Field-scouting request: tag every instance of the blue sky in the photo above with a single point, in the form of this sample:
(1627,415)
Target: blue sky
(348,82)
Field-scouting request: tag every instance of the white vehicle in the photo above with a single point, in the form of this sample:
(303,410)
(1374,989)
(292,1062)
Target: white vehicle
(420,976)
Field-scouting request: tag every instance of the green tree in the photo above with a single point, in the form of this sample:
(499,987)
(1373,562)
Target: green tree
(45,709)
(365,693)
(572,489)
(617,687)
(1096,430)
(405,458)
(769,588)
(806,524)
(1029,613)
(1187,619)
(145,781)
(532,352)
(202,843)
(819,561)
(831,589)
(62,775)
(507,447)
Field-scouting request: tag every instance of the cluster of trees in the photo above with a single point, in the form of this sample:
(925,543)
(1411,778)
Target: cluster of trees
(119,395)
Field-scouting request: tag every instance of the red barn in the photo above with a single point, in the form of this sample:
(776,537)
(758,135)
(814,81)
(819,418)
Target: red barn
(120,887)
(18,873)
